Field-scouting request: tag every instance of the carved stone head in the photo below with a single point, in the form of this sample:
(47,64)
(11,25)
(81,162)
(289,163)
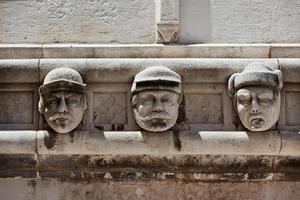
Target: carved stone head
(156,95)
(63,99)
(256,96)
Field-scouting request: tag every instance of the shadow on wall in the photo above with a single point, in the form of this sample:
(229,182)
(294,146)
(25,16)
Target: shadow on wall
(195,21)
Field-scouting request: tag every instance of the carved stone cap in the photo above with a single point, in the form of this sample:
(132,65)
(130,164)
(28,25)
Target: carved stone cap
(63,79)
(255,74)
(157,77)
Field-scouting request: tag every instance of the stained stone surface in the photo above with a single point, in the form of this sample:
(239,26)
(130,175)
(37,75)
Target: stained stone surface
(16,107)
(204,108)
(51,21)
(109,108)
(169,190)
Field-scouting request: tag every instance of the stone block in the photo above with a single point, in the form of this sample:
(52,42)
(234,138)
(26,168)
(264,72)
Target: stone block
(285,51)
(56,21)
(123,70)
(18,142)
(18,107)
(290,143)
(105,142)
(289,114)
(290,69)
(207,107)
(20,51)
(19,71)
(230,143)
(155,51)
(53,189)
(252,21)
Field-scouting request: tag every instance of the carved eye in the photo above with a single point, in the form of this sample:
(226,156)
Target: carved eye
(53,102)
(72,101)
(166,100)
(245,100)
(148,99)
(265,101)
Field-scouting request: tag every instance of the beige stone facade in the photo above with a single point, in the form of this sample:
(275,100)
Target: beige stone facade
(207,154)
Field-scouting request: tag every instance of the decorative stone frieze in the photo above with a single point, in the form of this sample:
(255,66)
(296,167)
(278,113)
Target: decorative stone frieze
(256,96)
(62,99)
(156,95)
(167,18)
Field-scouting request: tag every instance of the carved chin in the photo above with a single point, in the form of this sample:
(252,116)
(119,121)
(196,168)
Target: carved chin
(65,127)
(156,125)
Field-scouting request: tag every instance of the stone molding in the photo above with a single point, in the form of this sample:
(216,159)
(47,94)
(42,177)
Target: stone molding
(36,51)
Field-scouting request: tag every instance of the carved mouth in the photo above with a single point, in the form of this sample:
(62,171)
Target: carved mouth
(158,122)
(61,121)
(257,122)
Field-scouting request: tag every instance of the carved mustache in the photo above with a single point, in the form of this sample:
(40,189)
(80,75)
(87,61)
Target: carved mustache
(58,116)
(155,115)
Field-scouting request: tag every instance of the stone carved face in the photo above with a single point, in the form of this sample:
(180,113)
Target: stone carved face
(156,110)
(62,99)
(64,110)
(258,107)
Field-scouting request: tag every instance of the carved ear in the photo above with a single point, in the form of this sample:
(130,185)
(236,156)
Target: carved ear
(134,100)
(231,88)
(83,102)
(41,105)
(280,81)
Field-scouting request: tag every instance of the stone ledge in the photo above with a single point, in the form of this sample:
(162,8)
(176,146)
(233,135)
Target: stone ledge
(192,70)
(18,51)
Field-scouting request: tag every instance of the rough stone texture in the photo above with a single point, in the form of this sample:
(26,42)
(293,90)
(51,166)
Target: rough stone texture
(19,71)
(223,21)
(18,106)
(217,21)
(9,51)
(170,190)
(123,70)
(285,51)
(105,142)
(18,142)
(52,21)
(236,143)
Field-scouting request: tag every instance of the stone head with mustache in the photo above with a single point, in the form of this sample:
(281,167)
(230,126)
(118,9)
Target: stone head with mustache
(156,95)
(63,99)
(256,96)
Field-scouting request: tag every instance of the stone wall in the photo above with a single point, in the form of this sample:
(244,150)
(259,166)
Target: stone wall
(128,21)
(208,154)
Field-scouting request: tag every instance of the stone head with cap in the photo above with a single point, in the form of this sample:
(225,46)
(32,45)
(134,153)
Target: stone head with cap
(63,99)
(156,95)
(256,96)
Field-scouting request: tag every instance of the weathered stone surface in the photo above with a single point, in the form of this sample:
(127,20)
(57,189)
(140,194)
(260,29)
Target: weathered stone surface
(27,51)
(170,190)
(19,71)
(77,21)
(223,21)
(230,143)
(63,99)
(124,70)
(16,107)
(156,94)
(285,51)
(20,51)
(105,142)
(290,69)
(290,143)
(18,142)
(256,94)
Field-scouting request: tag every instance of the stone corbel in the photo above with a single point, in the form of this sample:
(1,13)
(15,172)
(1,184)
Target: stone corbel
(167,21)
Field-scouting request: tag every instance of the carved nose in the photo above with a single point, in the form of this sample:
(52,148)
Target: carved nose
(255,107)
(62,106)
(158,106)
